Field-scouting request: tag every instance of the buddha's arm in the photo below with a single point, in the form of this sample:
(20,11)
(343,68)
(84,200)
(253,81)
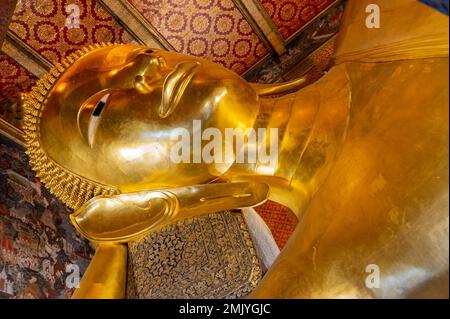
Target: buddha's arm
(279,88)
(110,222)
(383,208)
(385,200)
(123,217)
(105,277)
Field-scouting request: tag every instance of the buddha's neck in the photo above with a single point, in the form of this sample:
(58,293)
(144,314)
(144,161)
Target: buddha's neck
(310,131)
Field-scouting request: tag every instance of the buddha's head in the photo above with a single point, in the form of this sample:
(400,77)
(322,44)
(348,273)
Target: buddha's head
(101,122)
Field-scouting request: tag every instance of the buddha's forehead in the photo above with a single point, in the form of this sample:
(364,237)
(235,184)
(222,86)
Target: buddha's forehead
(104,59)
(117,57)
(113,67)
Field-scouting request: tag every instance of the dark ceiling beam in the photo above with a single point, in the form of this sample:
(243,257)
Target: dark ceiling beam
(262,24)
(12,132)
(26,56)
(135,24)
(293,36)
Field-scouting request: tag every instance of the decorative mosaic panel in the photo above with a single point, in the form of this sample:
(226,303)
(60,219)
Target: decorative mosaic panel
(6,10)
(309,40)
(280,219)
(41,254)
(56,28)
(210,256)
(290,15)
(14,79)
(211,29)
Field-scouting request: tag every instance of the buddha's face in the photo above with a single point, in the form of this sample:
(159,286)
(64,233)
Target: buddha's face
(111,116)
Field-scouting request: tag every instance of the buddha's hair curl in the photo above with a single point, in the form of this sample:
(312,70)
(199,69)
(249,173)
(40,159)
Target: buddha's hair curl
(72,189)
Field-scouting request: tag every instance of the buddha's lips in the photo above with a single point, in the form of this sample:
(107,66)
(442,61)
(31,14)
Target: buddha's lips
(174,86)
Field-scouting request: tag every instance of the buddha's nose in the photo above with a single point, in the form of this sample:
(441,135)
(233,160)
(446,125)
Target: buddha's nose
(151,66)
(152,58)
(148,63)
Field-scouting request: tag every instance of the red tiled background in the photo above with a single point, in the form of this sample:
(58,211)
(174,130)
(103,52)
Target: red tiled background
(211,29)
(14,79)
(42,25)
(290,15)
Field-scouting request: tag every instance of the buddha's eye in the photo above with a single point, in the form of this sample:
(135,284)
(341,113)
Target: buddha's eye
(90,113)
(95,117)
(100,105)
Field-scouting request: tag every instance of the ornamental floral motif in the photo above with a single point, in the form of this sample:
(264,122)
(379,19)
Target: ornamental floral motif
(205,257)
(210,29)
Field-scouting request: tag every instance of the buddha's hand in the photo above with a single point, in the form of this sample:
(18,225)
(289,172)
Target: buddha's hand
(123,217)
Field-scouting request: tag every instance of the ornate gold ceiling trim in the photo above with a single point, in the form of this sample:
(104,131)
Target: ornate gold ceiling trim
(132,21)
(26,56)
(320,15)
(262,24)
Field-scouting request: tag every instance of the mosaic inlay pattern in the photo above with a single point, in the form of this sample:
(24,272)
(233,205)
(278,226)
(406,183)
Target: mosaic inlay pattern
(40,251)
(56,28)
(14,79)
(280,219)
(291,15)
(211,256)
(6,10)
(211,29)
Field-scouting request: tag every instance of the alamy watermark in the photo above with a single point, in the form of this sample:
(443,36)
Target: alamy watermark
(73,276)
(373,17)
(73,18)
(239,145)
(374,277)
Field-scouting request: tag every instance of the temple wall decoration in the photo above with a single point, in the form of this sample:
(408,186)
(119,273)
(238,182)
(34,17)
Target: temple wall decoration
(214,30)
(39,248)
(6,12)
(212,256)
(313,37)
(14,79)
(290,16)
(44,20)
(280,220)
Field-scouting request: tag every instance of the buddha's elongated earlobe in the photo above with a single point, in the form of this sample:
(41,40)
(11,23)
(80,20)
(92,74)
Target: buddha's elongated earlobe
(123,217)
(279,88)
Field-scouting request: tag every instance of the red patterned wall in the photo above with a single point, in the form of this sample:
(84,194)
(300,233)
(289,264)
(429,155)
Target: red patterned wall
(212,29)
(14,79)
(291,15)
(42,25)
(280,219)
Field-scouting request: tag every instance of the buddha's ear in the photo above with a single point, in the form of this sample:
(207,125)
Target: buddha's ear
(123,217)
(279,88)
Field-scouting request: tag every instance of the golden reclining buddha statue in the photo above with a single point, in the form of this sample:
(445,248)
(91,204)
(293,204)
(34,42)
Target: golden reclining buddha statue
(362,155)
